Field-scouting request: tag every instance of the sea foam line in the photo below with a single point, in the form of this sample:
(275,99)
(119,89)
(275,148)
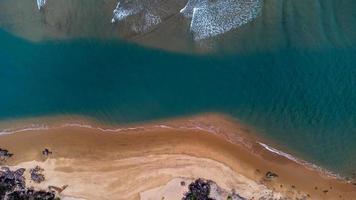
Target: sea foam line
(306,164)
(281,153)
(41,127)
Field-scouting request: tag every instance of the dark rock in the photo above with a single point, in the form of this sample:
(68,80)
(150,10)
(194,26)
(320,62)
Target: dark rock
(198,190)
(13,187)
(36,174)
(44,195)
(46,152)
(4,152)
(12,179)
(31,194)
(37,178)
(235,196)
(5,169)
(182,183)
(4,155)
(57,189)
(271,175)
(326,191)
(20,171)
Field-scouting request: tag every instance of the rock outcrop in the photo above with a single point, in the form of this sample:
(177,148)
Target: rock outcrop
(36,174)
(4,155)
(13,187)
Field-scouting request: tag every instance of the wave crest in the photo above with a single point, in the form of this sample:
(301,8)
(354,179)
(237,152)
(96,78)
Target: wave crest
(144,14)
(211,18)
(124,10)
(41,3)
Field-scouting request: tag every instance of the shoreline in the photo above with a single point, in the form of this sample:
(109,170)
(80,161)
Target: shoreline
(187,123)
(253,150)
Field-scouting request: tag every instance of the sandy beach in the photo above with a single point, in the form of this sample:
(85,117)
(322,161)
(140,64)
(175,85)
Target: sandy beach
(149,161)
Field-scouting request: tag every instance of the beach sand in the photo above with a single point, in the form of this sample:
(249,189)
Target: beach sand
(145,161)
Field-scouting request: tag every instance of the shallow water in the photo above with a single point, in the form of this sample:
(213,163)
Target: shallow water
(299,91)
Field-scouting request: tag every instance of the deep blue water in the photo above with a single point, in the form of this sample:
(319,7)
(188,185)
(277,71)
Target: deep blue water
(304,100)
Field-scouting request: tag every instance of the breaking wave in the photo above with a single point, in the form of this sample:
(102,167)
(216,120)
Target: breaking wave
(144,14)
(209,18)
(212,18)
(306,164)
(188,9)
(41,3)
(149,21)
(123,10)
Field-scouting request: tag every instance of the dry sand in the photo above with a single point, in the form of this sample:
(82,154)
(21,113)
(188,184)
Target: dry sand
(145,161)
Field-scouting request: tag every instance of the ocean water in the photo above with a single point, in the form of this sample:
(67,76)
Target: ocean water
(299,93)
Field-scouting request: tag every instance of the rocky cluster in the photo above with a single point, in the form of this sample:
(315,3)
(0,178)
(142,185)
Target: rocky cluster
(4,155)
(198,190)
(36,174)
(13,187)
(13,184)
(202,189)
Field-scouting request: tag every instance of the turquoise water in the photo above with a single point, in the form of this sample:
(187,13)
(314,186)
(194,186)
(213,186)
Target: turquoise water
(304,98)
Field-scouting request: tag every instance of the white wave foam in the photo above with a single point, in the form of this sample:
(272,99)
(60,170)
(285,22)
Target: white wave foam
(32,127)
(301,162)
(187,11)
(144,14)
(281,153)
(151,20)
(88,126)
(163,126)
(147,23)
(212,18)
(122,11)
(40,127)
(41,3)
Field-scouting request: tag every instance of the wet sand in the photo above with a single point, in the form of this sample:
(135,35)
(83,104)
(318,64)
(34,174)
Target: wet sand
(126,162)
